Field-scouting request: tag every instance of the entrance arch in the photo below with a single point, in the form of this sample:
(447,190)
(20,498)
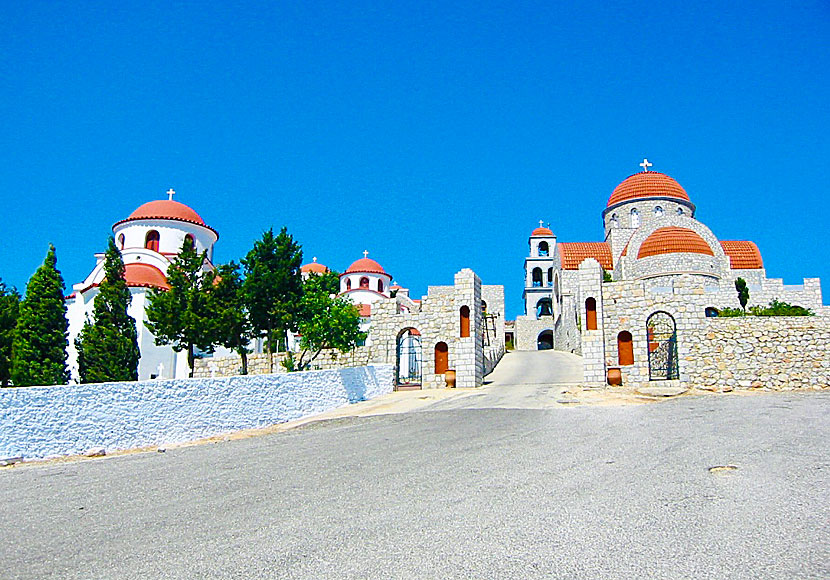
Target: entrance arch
(545,340)
(661,333)
(408,360)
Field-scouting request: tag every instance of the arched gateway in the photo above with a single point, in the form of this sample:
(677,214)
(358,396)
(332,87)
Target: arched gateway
(662,347)
(408,360)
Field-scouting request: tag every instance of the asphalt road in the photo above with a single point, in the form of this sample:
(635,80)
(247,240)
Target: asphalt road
(568,492)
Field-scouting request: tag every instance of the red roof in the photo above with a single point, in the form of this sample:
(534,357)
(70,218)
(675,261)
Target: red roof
(166,209)
(145,275)
(673,240)
(744,255)
(573,253)
(365,265)
(647,184)
(542,232)
(315,267)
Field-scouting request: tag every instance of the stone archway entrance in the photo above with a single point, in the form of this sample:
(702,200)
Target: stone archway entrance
(545,340)
(662,347)
(408,360)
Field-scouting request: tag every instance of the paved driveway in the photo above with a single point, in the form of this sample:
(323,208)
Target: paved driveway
(585,492)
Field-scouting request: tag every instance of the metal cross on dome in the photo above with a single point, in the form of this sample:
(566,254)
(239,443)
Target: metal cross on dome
(170,193)
(645,165)
(541,223)
(365,253)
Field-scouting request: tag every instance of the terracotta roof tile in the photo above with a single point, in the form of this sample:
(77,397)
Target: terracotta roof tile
(573,253)
(647,184)
(744,255)
(673,240)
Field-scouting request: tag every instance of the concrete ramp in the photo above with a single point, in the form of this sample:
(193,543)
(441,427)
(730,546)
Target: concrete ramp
(536,367)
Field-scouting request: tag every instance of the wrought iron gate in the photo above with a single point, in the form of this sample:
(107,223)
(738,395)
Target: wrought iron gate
(408,361)
(662,347)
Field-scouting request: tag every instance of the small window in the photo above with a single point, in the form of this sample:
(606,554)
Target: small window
(348,283)
(550,276)
(151,242)
(712,312)
(484,307)
(441,358)
(615,222)
(465,321)
(680,211)
(364,282)
(658,211)
(635,218)
(121,241)
(590,314)
(543,249)
(191,239)
(380,285)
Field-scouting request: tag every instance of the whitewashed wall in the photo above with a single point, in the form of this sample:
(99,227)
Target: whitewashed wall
(37,422)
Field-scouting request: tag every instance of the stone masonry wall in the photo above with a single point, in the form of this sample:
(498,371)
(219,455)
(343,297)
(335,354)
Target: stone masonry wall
(779,353)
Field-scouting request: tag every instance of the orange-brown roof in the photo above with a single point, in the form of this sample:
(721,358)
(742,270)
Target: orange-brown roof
(314,267)
(367,265)
(743,254)
(167,209)
(145,275)
(542,232)
(673,240)
(573,253)
(647,184)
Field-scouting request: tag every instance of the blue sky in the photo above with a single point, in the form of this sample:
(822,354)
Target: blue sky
(434,136)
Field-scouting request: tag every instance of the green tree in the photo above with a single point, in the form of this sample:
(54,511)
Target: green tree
(9,310)
(327,321)
(226,301)
(743,292)
(108,344)
(39,343)
(180,317)
(273,286)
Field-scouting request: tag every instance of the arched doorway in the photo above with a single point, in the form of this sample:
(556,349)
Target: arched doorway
(545,340)
(442,358)
(408,360)
(590,314)
(662,347)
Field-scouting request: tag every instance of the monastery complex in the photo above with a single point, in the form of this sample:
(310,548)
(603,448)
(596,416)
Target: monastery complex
(640,307)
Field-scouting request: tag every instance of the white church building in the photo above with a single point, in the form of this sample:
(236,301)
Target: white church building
(149,239)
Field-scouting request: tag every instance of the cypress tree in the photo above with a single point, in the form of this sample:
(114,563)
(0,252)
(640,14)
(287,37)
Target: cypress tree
(180,316)
(39,344)
(108,344)
(9,310)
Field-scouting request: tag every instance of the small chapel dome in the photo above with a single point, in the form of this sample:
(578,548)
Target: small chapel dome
(365,265)
(313,267)
(673,240)
(647,184)
(166,209)
(542,232)
(145,276)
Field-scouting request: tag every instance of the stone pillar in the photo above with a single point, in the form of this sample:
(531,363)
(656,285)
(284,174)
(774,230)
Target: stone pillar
(468,358)
(593,341)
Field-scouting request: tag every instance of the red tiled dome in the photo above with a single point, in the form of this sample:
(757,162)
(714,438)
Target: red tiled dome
(673,240)
(167,209)
(542,232)
(647,184)
(145,275)
(744,255)
(314,267)
(366,265)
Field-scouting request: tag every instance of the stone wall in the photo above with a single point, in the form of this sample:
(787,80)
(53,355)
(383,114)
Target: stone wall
(258,364)
(37,422)
(780,353)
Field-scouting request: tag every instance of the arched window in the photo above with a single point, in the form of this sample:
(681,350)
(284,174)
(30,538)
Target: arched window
(543,248)
(537,277)
(465,321)
(635,218)
(712,312)
(380,285)
(364,282)
(441,358)
(151,242)
(348,283)
(590,314)
(483,307)
(658,211)
(615,222)
(121,241)
(550,276)
(191,239)
(625,348)
(680,211)
(543,307)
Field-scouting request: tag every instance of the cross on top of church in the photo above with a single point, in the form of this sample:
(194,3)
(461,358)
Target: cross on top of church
(365,253)
(541,223)
(645,165)
(170,193)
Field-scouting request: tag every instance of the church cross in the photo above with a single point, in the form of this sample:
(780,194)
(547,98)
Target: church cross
(171,192)
(541,223)
(365,253)
(645,165)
